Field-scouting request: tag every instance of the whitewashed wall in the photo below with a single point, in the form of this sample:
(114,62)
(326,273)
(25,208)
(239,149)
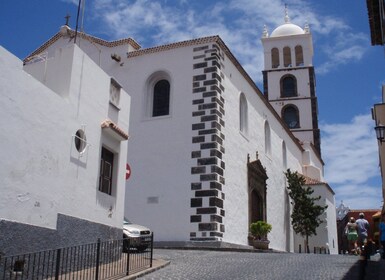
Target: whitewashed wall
(44,176)
(238,146)
(159,151)
(327,231)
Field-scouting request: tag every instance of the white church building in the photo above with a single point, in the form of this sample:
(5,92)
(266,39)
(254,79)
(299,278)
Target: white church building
(208,149)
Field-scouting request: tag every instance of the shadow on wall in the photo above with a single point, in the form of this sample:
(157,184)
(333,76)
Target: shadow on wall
(17,238)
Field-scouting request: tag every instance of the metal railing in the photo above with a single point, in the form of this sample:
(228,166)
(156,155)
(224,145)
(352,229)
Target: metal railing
(97,261)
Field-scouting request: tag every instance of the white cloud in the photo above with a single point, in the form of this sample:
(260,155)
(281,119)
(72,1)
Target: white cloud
(238,22)
(343,45)
(350,153)
(361,196)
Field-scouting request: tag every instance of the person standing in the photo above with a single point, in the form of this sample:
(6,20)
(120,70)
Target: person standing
(351,231)
(362,228)
(382,235)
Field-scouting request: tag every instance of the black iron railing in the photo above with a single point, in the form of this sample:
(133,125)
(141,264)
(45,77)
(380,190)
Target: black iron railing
(97,261)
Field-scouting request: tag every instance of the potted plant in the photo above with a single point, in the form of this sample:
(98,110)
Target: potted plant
(259,231)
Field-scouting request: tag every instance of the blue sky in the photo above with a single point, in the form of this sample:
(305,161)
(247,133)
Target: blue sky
(349,70)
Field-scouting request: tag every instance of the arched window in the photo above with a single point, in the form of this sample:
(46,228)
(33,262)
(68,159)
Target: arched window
(290,115)
(243,121)
(288,86)
(286,57)
(274,58)
(298,56)
(267,139)
(161,99)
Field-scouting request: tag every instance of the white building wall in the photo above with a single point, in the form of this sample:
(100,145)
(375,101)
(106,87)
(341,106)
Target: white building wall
(327,231)
(44,175)
(158,192)
(238,146)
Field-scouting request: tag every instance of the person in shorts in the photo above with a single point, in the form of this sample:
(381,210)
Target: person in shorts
(352,234)
(362,229)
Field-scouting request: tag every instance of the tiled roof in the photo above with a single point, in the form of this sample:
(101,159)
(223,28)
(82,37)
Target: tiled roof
(313,182)
(82,35)
(109,124)
(203,40)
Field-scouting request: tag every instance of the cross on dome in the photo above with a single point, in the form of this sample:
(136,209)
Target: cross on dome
(287,18)
(288,28)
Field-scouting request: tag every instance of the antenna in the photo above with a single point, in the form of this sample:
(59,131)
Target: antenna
(77,21)
(83,8)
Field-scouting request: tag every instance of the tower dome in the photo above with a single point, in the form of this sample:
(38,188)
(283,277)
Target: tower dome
(287,28)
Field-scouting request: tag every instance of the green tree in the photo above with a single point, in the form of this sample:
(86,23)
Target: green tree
(305,217)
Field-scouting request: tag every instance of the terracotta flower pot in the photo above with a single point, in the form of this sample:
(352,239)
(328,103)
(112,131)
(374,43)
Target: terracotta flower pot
(261,244)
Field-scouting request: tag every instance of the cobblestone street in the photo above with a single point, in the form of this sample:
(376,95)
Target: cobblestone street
(195,264)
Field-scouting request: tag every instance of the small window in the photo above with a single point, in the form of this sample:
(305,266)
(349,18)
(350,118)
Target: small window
(243,121)
(290,116)
(274,58)
(106,171)
(115,93)
(286,57)
(161,99)
(288,86)
(80,141)
(298,56)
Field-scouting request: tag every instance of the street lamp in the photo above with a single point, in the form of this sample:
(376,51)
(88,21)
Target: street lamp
(380,133)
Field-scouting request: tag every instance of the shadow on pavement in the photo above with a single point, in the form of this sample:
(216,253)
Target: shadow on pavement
(364,270)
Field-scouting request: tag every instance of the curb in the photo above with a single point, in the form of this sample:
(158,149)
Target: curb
(156,265)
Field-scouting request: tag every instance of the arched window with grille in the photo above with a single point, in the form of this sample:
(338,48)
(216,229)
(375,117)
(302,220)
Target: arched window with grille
(274,58)
(161,99)
(290,115)
(158,95)
(288,86)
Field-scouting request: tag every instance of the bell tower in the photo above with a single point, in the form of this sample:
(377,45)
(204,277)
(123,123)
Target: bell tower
(289,79)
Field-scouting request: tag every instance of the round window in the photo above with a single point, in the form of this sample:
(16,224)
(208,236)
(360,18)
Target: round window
(80,141)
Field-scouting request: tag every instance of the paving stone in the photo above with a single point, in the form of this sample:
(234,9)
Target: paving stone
(223,265)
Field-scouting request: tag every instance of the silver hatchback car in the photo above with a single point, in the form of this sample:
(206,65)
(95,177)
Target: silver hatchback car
(136,236)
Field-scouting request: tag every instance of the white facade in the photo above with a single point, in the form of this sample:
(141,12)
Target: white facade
(50,188)
(214,160)
(327,232)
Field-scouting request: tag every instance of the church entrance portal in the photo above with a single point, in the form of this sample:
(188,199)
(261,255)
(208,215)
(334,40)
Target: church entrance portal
(257,191)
